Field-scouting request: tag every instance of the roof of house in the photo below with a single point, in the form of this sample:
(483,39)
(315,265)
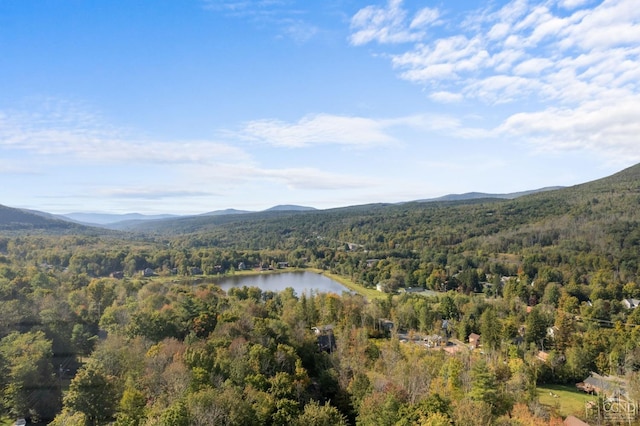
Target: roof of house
(631,303)
(474,336)
(607,384)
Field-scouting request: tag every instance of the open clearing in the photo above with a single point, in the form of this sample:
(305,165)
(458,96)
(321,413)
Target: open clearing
(564,399)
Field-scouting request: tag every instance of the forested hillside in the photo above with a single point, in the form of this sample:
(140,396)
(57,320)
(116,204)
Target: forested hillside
(544,280)
(574,226)
(20,220)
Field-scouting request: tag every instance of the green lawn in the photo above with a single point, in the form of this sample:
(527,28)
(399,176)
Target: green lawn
(369,293)
(569,400)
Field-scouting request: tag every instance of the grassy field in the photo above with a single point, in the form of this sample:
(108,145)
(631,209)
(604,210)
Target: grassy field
(564,399)
(369,293)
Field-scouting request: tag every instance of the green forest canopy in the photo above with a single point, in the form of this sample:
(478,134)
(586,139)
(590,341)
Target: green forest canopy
(81,325)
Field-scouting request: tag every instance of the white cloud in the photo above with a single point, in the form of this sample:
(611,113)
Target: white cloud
(244,7)
(124,171)
(315,179)
(425,17)
(565,60)
(500,89)
(609,128)
(611,24)
(429,73)
(572,4)
(545,26)
(354,132)
(446,97)
(444,60)
(503,61)
(150,193)
(524,39)
(300,31)
(499,31)
(285,16)
(533,66)
(512,11)
(72,135)
(435,126)
(390,24)
(320,129)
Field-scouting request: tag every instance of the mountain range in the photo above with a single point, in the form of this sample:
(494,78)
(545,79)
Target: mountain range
(13,219)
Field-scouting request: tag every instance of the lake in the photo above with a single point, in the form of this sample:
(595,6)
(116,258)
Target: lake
(300,281)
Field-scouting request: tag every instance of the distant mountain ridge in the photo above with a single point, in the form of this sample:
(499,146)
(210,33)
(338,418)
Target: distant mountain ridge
(289,208)
(13,219)
(225,211)
(24,218)
(131,218)
(107,218)
(481,195)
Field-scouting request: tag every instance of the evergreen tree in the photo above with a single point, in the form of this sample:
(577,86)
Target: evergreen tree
(490,329)
(483,384)
(535,328)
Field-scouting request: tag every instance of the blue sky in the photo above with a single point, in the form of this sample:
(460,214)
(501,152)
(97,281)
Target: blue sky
(158,106)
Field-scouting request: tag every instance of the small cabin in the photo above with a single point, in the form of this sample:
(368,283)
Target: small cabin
(474,340)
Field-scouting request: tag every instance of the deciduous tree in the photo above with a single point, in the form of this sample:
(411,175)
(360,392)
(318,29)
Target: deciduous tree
(30,387)
(92,393)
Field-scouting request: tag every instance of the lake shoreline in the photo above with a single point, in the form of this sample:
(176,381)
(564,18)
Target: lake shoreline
(299,279)
(368,293)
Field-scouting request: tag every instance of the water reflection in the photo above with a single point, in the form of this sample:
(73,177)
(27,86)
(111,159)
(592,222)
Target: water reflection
(300,281)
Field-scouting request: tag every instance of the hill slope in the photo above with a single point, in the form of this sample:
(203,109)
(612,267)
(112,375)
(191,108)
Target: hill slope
(18,220)
(482,195)
(600,217)
(600,213)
